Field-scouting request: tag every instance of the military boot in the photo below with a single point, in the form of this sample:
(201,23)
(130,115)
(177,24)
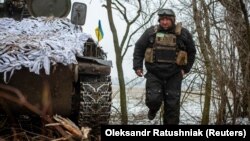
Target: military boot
(151,115)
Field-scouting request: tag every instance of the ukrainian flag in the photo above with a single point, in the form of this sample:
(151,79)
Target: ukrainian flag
(99,32)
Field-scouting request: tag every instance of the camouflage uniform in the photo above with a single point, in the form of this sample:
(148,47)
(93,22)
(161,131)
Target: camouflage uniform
(164,79)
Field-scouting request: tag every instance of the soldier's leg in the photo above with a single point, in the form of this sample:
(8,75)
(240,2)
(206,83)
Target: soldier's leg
(172,99)
(154,93)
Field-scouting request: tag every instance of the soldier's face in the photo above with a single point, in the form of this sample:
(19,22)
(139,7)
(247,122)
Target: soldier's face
(165,22)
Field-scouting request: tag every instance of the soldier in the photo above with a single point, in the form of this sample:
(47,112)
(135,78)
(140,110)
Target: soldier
(169,53)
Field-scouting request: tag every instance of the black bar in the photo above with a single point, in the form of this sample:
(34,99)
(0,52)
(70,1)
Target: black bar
(163,132)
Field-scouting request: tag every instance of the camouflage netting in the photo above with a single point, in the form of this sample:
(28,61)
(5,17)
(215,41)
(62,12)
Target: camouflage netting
(38,43)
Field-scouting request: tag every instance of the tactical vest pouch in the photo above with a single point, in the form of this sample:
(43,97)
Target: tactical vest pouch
(181,58)
(165,39)
(178,28)
(165,54)
(149,55)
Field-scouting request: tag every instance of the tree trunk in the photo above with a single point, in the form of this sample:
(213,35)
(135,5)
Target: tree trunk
(204,51)
(123,100)
(118,52)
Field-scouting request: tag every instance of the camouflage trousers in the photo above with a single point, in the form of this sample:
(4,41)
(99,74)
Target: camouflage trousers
(168,92)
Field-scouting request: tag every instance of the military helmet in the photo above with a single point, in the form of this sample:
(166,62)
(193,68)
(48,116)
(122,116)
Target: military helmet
(166,12)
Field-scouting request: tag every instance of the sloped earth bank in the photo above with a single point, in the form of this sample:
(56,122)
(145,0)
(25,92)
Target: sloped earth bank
(24,128)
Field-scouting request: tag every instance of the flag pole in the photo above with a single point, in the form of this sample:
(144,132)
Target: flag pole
(98,36)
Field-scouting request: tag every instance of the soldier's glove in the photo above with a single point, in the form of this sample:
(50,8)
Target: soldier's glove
(181,58)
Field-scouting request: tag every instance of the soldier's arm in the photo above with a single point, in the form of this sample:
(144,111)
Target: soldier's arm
(139,50)
(190,48)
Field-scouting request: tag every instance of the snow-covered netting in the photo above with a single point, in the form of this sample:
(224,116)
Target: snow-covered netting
(37,43)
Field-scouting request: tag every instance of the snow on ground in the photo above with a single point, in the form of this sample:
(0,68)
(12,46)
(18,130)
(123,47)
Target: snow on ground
(191,109)
(137,110)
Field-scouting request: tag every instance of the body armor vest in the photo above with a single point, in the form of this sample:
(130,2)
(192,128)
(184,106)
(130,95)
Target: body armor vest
(165,48)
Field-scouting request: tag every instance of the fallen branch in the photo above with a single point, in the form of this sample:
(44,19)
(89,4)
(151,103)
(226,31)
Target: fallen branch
(74,130)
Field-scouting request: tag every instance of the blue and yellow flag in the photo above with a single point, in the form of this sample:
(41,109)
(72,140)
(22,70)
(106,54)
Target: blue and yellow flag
(99,32)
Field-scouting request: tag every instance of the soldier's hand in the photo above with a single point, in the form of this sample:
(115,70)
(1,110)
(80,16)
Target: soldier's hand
(183,73)
(139,72)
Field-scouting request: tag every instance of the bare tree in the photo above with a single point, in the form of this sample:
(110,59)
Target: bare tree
(237,19)
(203,29)
(144,11)
(222,31)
